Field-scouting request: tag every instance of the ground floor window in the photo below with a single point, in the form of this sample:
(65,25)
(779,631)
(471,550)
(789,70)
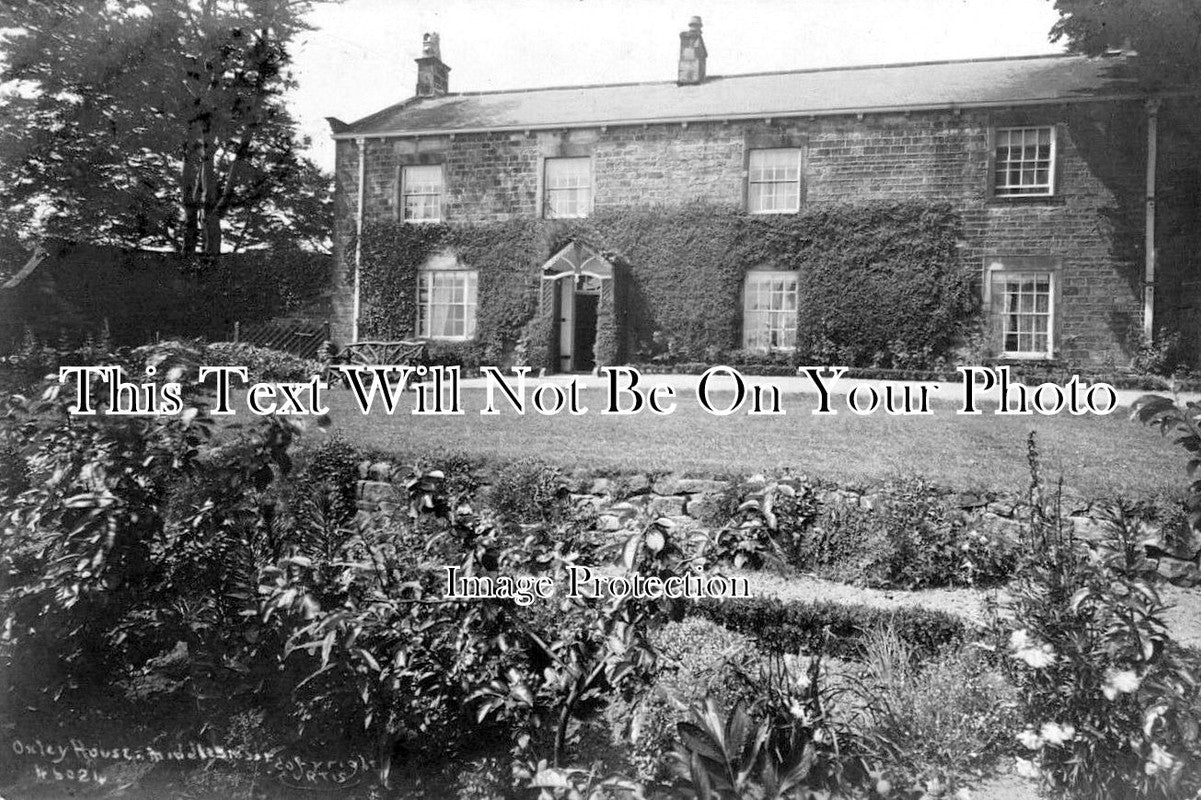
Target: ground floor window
(1021,303)
(769,312)
(446,302)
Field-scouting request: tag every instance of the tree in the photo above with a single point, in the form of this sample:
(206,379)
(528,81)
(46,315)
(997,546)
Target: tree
(1166,34)
(154,122)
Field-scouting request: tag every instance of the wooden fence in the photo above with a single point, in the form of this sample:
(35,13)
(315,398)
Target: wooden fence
(299,337)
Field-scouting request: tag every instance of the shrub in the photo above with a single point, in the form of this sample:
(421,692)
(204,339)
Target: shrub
(529,491)
(263,364)
(468,355)
(1110,702)
(787,741)
(120,513)
(841,543)
(696,659)
(911,537)
(836,629)
(763,529)
(934,722)
(606,348)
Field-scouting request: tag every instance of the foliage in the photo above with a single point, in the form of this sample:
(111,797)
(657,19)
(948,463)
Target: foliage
(1164,33)
(119,513)
(908,535)
(696,660)
(529,491)
(834,628)
(132,297)
(507,256)
(764,528)
(933,723)
(925,542)
(467,355)
(262,364)
(607,347)
(1165,414)
(871,276)
(724,757)
(786,744)
(1109,701)
(868,273)
(1161,356)
(159,124)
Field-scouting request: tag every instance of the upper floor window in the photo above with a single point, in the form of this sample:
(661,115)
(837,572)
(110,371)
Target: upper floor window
(774,181)
(446,303)
(1024,162)
(769,311)
(1021,302)
(568,183)
(421,193)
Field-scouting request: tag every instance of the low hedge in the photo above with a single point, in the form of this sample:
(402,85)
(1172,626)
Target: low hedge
(800,626)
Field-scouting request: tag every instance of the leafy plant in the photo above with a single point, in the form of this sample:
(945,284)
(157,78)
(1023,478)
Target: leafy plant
(785,745)
(1109,701)
(724,757)
(932,723)
(764,528)
(118,514)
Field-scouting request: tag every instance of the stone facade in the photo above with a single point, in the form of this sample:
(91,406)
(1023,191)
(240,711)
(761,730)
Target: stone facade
(1090,232)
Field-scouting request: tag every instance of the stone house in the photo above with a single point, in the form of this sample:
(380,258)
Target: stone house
(1076,193)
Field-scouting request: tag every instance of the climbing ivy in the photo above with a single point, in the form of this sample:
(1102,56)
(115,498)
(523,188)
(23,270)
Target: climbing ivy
(875,279)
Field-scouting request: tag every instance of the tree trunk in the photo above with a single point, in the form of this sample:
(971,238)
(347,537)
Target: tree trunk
(211,219)
(189,187)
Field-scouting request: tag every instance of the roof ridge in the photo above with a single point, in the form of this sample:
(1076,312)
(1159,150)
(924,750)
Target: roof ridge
(801,71)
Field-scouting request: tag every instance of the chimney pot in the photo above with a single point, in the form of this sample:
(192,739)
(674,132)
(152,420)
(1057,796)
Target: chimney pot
(692,54)
(433,77)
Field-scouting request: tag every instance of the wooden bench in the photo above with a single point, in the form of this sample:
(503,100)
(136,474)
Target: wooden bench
(404,353)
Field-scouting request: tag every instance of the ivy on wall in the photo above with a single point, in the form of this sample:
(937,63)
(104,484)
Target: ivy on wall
(507,255)
(872,278)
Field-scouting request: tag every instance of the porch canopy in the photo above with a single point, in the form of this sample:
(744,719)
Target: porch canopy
(577,259)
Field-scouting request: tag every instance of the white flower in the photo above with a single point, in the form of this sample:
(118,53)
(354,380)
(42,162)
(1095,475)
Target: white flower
(1036,654)
(1161,761)
(1037,657)
(1119,682)
(1054,733)
(1019,640)
(963,794)
(1025,768)
(1030,740)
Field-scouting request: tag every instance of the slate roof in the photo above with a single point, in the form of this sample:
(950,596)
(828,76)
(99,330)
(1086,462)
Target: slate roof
(1029,80)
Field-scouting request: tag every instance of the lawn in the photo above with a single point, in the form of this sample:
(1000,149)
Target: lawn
(1095,455)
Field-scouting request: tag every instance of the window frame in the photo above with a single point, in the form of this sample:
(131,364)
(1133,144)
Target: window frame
(800,179)
(761,274)
(470,310)
(1023,267)
(1001,192)
(545,188)
(403,182)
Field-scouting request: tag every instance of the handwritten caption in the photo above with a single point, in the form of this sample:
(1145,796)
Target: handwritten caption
(82,762)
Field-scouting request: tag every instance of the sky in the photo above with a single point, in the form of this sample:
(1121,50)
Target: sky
(359,58)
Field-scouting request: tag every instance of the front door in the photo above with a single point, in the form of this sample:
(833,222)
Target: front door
(566,305)
(585,331)
(577,301)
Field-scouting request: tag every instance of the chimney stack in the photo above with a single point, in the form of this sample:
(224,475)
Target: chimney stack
(433,77)
(692,54)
